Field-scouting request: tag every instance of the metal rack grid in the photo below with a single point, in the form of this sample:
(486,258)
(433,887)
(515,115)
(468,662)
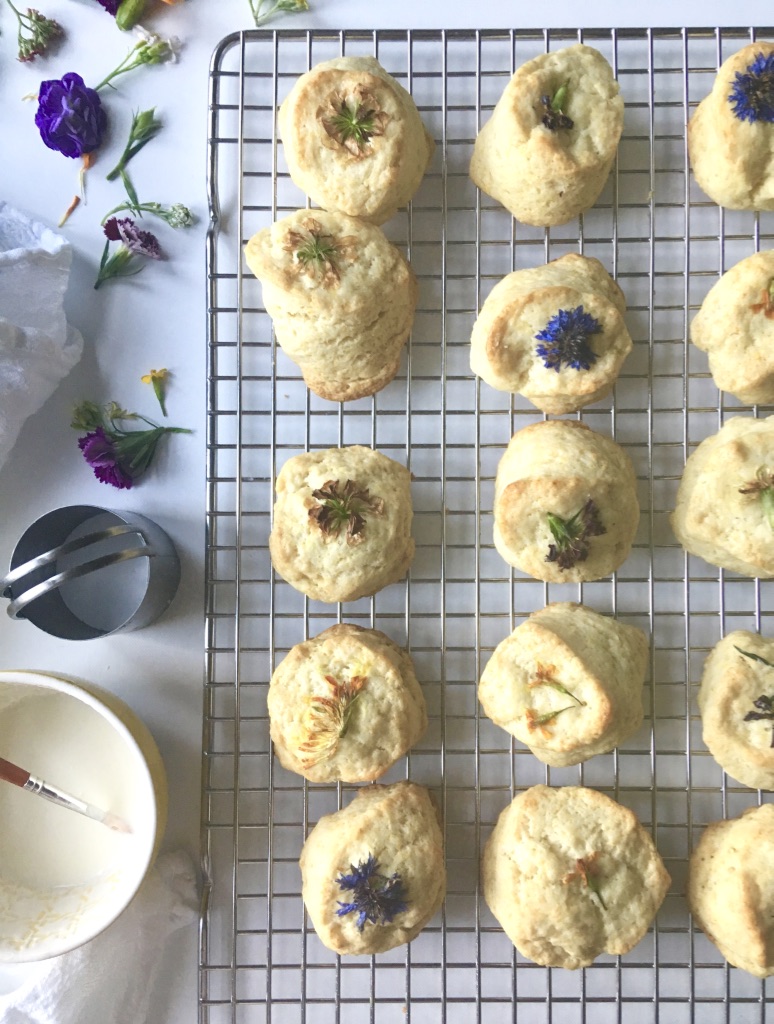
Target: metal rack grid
(666,244)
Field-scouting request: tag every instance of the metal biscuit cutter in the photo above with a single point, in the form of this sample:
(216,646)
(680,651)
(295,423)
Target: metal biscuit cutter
(82,571)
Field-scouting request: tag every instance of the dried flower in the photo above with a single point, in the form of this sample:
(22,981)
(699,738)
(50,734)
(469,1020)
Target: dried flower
(158,378)
(554,116)
(764,704)
(355,121)
(70,117)
(117,456)
(765,712)
(260,16)
(585,869)
(766,305)
(544,677)
(377,897)
(326,719)
(317,254)
(752,93)
(565,339)
(35,33)
(754,657)
(134,242)
(571,535)
(763,484)
(347,505)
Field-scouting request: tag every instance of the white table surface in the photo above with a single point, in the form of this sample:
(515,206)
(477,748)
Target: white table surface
(158,319)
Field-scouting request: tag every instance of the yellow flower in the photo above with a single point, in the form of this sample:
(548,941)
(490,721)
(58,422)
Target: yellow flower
(158,378)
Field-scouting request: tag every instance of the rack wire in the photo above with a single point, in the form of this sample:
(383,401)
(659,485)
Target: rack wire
(666,244)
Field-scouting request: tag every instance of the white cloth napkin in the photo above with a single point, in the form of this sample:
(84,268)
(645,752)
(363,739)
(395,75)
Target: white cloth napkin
(37,347)
(111,979)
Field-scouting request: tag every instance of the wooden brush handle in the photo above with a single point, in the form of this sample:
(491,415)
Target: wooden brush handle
(13,773)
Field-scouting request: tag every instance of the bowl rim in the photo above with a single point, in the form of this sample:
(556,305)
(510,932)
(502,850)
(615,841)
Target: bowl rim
(140,863)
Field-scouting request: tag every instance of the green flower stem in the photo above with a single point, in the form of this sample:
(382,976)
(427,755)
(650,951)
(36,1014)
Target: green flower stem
(177,216)
(144,52)
(260,16)
(145,126)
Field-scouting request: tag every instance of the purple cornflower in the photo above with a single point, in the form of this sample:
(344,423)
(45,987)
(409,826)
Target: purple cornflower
(70,117)
(752,94)
(377,898)
(111,6)
(565,339)
(99,450)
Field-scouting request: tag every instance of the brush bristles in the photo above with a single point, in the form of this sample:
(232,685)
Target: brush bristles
(117,824)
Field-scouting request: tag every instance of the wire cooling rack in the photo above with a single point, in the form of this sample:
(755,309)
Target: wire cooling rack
(666,244)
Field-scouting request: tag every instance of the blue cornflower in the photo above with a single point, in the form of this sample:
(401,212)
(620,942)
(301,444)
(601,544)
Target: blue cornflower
(565,339)
(377,898)
(752,94)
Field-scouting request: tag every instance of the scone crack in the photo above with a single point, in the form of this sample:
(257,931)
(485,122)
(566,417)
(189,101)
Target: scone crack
(318,254)
(571,535)
(340,506)
(352,120)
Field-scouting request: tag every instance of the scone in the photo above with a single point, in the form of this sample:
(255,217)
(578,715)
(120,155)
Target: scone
(341,297)
(353,138)
(342,523)
(374,872)
(554,334)
(731,888)
(736,700)
(725,502)
(731,133)
(548,147)
(345,706)
(567,683)
(565,503)
(735,327)
(571,874)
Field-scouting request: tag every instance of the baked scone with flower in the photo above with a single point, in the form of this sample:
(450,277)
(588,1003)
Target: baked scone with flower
(725,502)
(731,888)
(341,297)
(554,334)
(345,705)
(342,523)
(567,682)
(735,327)
(374,872)
(353,138)
(736,700)
(731,133)
(548,147)
(565,503)
(570,874)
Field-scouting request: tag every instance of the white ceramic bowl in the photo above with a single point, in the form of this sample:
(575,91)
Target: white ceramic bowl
(63,877)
